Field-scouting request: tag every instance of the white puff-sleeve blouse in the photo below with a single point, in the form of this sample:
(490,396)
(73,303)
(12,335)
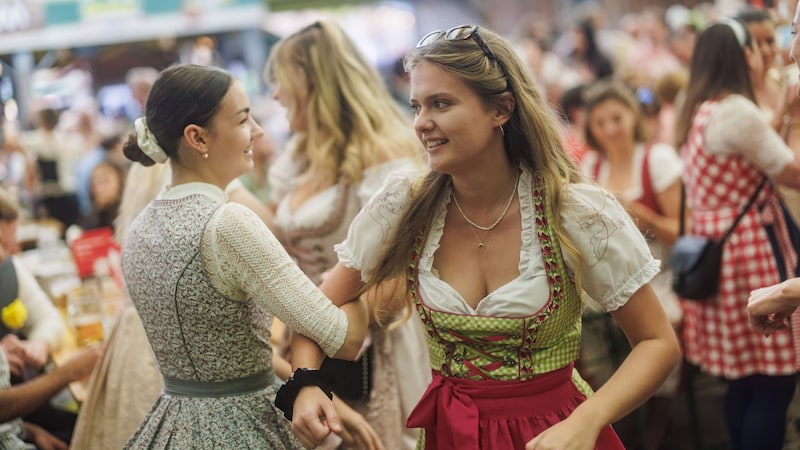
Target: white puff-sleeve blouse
(616,260)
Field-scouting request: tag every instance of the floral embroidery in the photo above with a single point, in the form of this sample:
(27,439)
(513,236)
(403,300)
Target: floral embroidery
(384,209)
(599,226)
(506,348)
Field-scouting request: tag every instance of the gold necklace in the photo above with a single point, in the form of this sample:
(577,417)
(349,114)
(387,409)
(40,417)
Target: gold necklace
(473,225)
(481,245)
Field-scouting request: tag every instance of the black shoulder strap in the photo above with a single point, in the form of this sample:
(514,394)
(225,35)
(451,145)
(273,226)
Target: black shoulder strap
(735,222)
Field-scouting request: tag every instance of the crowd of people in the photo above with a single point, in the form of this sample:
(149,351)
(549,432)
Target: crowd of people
(489,273)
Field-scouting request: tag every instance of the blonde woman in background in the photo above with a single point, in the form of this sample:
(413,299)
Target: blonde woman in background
(349,135)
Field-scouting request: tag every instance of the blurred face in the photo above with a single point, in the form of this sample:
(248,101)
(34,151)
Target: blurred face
(754,60)
(106,186)
(139,92)
(458,131)
(763,34)
(262,148)
(296,105)
(612,124)
(795,50)
(231,135)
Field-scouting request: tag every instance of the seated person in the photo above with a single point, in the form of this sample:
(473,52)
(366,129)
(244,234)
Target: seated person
(30,325)
(16,401)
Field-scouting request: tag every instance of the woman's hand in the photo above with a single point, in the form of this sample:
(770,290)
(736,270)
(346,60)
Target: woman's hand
(357,433)
(569,434)
(768,310)
(11,345)
(42,438)
(314,417)
(36,353)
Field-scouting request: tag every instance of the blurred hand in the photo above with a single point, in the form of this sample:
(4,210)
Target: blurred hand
(81,365)
(314,417)
(43,439)
(15,353)
(35,353)
(357,432)
(768,311)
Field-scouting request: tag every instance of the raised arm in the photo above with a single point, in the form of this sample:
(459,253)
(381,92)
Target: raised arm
(21,399)
(245,261)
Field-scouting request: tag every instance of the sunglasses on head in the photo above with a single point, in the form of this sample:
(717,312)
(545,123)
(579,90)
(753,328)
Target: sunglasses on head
(458,33)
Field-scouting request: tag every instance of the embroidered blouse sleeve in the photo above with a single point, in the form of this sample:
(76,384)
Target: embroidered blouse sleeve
(374,225)
(246,261)
(616,258)
(738,127)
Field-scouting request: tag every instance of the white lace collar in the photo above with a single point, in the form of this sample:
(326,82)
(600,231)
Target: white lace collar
(186,189)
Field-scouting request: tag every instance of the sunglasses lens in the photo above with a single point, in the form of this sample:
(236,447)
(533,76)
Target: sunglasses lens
(430,38)
(462,32)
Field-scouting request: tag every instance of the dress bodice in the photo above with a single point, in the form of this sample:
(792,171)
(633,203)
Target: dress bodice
(508,348)
(196,332)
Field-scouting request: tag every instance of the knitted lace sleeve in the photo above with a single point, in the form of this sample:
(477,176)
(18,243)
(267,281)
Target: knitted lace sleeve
(246,262)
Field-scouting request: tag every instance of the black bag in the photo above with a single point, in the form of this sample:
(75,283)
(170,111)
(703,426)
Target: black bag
(696,260)
(695,263)
(352,380)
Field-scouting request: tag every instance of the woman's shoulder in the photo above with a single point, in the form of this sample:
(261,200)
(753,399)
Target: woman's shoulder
(661,152)
(737,103)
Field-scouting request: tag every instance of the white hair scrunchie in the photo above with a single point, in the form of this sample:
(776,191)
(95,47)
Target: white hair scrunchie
(738,29)
(147,141)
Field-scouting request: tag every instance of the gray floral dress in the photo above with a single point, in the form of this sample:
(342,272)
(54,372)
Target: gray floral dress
(206,278)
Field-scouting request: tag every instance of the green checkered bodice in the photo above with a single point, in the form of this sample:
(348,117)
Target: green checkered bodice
(507,348)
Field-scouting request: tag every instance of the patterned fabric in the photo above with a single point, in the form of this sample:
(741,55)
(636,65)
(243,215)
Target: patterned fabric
(199,334)
(716,333)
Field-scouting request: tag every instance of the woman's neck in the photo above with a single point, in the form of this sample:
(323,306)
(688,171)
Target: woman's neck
(621,155)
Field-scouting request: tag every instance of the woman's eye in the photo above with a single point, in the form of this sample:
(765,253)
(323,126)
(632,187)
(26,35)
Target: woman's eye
(439,104)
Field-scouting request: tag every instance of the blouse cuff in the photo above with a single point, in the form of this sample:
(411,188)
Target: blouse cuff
(620,297)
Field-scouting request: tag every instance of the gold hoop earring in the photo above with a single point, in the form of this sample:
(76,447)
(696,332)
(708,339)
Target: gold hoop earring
(205,155)
(502,131)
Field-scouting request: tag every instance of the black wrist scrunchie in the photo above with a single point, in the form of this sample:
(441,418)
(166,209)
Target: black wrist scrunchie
(301,378)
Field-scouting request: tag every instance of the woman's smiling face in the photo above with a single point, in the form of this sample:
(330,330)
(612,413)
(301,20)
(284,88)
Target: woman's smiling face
(454,125)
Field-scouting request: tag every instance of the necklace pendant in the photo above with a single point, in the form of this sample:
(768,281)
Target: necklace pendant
(481,246)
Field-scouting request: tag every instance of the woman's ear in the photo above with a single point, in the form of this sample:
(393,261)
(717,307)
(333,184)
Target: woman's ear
(505,107)
(195,136)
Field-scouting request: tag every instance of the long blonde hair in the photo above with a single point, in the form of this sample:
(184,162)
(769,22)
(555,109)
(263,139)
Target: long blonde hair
(532,140)
(353,121)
